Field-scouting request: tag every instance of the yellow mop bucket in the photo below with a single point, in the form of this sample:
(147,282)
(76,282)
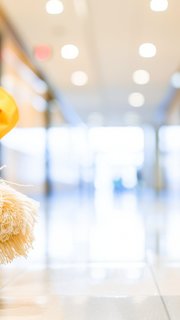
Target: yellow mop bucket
(17,211)
(8,112)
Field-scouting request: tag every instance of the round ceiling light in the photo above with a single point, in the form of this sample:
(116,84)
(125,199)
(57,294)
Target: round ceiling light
(159,5)
(136,99)
(79,78)
(147,50)
(141,77)
(69,51)
(54,7)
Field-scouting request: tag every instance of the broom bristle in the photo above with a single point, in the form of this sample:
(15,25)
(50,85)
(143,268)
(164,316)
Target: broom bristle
(17,218)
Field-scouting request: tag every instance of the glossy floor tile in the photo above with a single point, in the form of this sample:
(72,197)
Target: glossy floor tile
(100,256)
(9,273)
(82,308)
(173,306)
(103,227)
(95,280)
(167,276)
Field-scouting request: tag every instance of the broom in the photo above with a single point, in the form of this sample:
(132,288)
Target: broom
(17,218)
(17,211)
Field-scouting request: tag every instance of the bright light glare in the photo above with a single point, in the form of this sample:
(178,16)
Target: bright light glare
(136,99)
(111,139)
(141,77)
(159,5)
(175,80)
(120,244)
(168,139)
(69,51)
(173,237)
(129,178)
(54,7)
(18,137)
(79,78)
(147,50)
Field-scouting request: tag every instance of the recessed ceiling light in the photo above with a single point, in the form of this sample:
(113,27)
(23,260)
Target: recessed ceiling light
(141,76)
(147,50)
(175,80)
(136,99)
(54,7)
(159,5)
(42,52)
(79,78)
(69,51)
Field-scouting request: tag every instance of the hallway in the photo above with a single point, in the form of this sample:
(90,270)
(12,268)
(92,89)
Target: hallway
(99,264)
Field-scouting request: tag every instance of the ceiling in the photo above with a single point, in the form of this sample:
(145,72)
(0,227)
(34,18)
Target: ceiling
(108,36)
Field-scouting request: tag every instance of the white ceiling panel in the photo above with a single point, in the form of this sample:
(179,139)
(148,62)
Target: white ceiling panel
(108,38)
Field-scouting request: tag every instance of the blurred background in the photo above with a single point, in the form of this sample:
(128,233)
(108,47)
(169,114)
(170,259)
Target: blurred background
(98,88)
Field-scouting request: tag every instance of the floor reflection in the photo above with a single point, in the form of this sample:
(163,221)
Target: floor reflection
(98,256)
(106,227)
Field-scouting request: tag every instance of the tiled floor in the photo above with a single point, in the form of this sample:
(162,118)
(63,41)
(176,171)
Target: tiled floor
(82,291)
(103,257)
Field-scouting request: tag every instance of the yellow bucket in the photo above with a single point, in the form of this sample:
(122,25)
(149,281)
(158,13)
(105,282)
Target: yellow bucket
(8,112)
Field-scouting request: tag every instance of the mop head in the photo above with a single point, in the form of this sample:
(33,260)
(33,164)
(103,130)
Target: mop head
(17,218)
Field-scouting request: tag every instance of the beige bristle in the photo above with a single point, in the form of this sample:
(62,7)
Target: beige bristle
(17,218)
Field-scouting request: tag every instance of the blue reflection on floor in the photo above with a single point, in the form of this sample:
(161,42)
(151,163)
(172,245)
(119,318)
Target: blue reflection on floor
(82,226)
